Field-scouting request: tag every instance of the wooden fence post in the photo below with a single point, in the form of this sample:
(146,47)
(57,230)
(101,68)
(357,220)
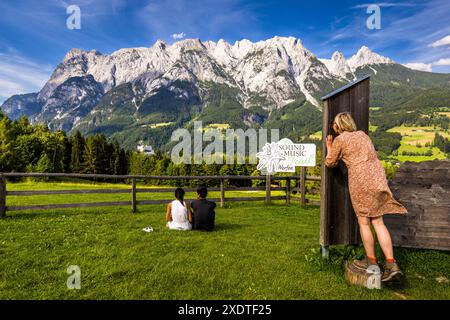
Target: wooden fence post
(268,178)
(222,193)
(2,196)
(303,186)
(288,191)
(133,195)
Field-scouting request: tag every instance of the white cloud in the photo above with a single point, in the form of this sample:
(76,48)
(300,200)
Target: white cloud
(20,75)
(419,66)
(178,36)
(442,62)
(427,66)
(441,42)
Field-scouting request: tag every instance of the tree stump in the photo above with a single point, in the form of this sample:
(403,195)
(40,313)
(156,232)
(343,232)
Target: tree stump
(369,278)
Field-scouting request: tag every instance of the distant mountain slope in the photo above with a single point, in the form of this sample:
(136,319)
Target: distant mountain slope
(22,104)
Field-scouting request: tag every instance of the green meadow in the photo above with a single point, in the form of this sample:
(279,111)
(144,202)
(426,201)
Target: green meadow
(257,251)
(414,139)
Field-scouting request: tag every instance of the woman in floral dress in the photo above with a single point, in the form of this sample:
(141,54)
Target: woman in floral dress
(369,192)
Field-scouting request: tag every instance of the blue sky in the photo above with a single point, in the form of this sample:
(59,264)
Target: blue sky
(34,37)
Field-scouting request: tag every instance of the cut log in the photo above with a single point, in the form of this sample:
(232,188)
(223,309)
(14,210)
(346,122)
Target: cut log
(369,278)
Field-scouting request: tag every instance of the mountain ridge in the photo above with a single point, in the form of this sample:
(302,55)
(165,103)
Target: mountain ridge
(184,80)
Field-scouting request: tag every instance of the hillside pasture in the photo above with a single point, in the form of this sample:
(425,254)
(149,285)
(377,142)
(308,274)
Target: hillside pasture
(414,140)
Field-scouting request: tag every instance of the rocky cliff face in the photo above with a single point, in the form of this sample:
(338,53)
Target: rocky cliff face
(181,78)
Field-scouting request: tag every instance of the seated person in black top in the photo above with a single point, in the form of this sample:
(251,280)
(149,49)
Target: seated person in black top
(203,214)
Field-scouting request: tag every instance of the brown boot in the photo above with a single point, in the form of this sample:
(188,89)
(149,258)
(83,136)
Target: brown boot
(364,263)
(391,272)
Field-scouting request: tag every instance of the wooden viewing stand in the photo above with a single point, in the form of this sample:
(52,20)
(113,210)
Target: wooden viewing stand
(134,190)
(338,223)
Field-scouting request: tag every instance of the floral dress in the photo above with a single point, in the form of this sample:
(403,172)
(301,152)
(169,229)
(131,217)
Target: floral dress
(369,191)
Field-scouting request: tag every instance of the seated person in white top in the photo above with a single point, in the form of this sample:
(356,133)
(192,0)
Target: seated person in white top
(178,214)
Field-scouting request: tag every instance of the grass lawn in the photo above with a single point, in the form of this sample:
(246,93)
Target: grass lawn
(419,134)
(447,114)
(256,252)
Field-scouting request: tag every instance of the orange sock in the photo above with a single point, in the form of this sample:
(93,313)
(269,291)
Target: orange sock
(390,260)
(372,259)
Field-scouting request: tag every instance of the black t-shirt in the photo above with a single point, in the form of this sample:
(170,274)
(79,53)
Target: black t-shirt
(203,214)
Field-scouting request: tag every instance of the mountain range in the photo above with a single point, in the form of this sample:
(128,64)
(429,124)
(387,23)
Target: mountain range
(144,93)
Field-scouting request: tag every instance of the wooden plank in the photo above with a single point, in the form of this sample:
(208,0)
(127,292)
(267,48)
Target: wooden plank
(53,192)
(288,192)
(338,220)
(313,178)
(111,191)
(268,182)
(324,221)
(68,205)
(133,195)
(215,200)
(255,198)
(222,193)
(144,177)
(426,196)
(144,190)
(303,185)
(2,196)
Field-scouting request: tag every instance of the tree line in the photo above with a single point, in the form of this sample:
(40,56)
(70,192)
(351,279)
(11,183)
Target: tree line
(33,148)
(442,143)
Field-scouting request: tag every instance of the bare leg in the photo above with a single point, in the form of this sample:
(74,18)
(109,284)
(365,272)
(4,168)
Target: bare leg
(367,236)
(383,236)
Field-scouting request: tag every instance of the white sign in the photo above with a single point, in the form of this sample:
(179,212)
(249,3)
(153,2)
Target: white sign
(284,156)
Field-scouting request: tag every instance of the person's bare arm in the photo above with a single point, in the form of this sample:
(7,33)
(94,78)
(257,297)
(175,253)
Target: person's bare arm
(169,212)
(334,151)
(189,210)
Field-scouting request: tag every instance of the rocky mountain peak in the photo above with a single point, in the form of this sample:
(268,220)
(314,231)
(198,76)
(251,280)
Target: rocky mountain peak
(75,52)
(269,74)
(365,56)
(338,56)
(160,44)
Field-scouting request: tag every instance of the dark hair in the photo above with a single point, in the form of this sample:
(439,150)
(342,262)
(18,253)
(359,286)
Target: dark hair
(179,194)
(202,192)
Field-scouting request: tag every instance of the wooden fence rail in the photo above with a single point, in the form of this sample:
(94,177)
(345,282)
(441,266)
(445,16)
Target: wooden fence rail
(300,181)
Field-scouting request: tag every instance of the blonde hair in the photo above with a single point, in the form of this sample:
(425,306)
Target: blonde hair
(345,122)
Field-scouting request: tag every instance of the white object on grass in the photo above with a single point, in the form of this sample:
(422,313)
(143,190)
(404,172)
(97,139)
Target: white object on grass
(148,229)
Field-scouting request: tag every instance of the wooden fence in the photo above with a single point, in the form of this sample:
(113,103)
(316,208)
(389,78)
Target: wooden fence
(300,182)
